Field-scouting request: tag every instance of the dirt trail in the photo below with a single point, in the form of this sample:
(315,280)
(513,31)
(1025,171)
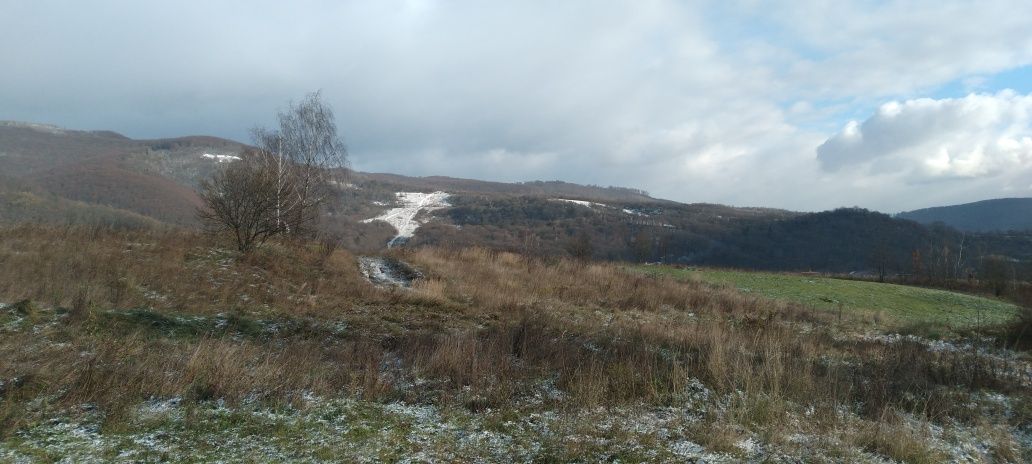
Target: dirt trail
(387,272)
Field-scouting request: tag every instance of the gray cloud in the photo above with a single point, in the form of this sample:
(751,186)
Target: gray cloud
(695,102)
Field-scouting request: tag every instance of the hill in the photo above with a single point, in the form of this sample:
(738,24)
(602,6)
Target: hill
(105,175)
(154,178)
(151,341)
(1003,214)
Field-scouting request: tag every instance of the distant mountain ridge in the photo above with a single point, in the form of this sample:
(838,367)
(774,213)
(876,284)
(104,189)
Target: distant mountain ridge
(1001,214)
(55,175)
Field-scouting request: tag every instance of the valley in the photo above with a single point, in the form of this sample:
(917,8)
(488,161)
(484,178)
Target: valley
(425,231)
(443,319)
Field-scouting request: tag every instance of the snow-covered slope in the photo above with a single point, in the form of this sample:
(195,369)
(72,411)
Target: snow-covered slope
(592,204)
(221,158)
(589,204)
(403,218)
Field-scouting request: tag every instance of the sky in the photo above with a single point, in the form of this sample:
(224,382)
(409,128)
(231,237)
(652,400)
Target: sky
(804,105)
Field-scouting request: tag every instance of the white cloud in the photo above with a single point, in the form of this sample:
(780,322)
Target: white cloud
(925,151)
(980,135)
(696,101)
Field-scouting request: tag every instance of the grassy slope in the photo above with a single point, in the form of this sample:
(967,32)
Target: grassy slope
(904,304)
(19,207)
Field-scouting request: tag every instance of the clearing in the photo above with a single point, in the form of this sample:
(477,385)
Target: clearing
(904,304)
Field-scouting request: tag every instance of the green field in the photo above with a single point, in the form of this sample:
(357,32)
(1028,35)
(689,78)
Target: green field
(903,304)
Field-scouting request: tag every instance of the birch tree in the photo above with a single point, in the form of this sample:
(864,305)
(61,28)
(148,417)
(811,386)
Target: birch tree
(278,187)
(307,157)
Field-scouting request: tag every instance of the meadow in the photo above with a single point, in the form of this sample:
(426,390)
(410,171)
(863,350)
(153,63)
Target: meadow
(898,305)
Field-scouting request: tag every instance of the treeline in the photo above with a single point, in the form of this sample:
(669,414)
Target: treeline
(865,243)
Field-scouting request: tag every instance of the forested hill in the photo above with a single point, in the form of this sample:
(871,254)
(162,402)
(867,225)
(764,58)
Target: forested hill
(1002,214)
(54,175)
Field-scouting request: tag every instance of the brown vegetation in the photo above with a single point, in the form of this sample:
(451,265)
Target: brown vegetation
(155,314)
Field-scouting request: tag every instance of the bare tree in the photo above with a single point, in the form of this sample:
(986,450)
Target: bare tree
(641,245)
(580,247)
(240,201)
(307,154)
(881,259)
(280,186)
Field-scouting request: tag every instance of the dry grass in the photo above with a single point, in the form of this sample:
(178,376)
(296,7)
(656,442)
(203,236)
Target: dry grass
(507,281)
(174,270)
(482,330)
(890,437)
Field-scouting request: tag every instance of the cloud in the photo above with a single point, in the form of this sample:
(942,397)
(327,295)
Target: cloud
(714,101)
(860,49)
(977,136)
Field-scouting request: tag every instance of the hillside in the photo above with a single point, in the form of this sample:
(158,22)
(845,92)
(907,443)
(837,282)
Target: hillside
(842,240)
(1002,214)
(551,189)
(154,178)
(104,174)
(498,328)
(28,207)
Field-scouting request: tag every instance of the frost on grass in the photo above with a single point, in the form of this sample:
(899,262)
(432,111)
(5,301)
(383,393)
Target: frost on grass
(221,158)
(404,218)
(1014,364)
(357,431)
(351,430)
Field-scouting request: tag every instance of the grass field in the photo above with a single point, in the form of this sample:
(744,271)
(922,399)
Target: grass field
(901,304)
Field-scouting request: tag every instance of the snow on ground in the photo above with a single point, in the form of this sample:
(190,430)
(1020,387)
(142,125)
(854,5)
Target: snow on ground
(354,430)
(1013,363)
(593,205)
(589,204)
(403,218)
(344,185)
(221,158)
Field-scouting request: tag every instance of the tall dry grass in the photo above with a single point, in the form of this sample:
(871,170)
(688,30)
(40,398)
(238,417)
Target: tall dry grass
(489,323)
(174,270)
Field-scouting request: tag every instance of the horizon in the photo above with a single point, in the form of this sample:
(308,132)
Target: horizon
(809,107)
(650,194)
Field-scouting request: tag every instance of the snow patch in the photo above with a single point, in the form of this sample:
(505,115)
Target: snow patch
(589,204)
(344,185)
(403,218)
(593,205)
(221,158)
